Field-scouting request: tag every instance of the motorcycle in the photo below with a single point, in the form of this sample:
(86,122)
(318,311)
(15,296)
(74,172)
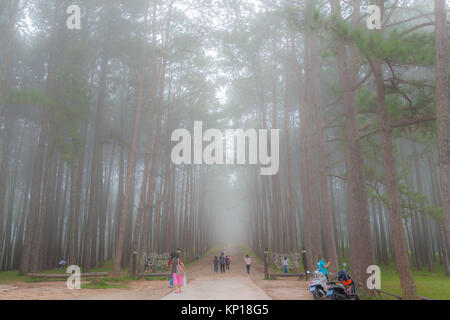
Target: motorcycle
(343,289)
(346,282)
(318,285)
(337,291)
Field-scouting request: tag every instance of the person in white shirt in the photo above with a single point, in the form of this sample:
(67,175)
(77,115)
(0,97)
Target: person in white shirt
(285,264)
(248,262)
(62,264)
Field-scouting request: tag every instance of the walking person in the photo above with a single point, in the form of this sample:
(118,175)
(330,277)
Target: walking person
(285,264)
(222,263)
(248,262)
(62,264)
(216,264)
(148,263)
(172,255)
(179,271)
(228,261)
(305,264)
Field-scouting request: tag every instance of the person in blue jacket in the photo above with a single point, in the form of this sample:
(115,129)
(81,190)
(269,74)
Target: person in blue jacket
(322,266)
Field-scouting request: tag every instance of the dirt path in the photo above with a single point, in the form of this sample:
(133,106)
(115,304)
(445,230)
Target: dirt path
(238,288)
(235,284)
(203,283)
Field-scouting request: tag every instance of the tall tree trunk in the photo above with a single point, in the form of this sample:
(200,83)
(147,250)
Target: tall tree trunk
(6,132)
(321,153)
(424,219)
(132,158)
(442,107)
(361,251)
(392,189)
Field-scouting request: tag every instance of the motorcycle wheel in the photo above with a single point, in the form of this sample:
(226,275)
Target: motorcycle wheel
(356,297)
(338,296)
(316,296)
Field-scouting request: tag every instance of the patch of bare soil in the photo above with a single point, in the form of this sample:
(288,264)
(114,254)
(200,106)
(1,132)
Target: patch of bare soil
(57,290)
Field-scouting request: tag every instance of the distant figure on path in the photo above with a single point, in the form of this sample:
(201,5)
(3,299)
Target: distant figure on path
(228,261)
(305,264)
(216,264)
(248,262)
(172,256)
(61,264)
(285,264)
(222,262)
(148,263)
(178,273)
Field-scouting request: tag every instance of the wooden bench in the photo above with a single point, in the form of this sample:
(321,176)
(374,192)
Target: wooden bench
(166,275)
(299,276)
(66,275)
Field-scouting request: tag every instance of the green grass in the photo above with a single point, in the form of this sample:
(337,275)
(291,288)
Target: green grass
(247,250)
(125,279)
(431,285)
(155,278)
(7,277)
(103,284)
(13,276)
(212,251)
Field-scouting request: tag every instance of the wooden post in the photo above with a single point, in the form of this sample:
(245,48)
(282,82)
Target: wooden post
(134,263)
(266,264)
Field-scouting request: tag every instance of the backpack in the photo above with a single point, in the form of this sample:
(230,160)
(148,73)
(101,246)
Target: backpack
(178,269)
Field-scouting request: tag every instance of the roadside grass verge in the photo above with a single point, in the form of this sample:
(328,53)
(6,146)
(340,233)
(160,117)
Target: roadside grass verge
(12,276)
(434,285)
(155,278)
(102,283)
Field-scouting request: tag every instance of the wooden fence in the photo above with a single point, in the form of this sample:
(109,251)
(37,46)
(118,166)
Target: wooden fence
(66,275)
(378,294)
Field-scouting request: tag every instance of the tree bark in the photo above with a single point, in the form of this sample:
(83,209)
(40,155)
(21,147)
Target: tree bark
(392,189)
(443,108)
(132,157)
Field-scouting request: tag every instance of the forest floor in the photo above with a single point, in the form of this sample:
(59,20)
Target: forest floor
(203,283)
(434,285)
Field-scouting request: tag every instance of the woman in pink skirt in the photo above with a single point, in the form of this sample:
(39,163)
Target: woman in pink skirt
(178,273)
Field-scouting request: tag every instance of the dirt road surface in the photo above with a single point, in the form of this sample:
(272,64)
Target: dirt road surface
(230,288)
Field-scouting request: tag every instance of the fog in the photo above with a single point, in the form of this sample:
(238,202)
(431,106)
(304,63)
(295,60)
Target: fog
(91,98)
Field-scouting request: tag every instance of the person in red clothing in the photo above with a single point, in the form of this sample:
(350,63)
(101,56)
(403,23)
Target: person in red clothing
(170,269)
(178,271)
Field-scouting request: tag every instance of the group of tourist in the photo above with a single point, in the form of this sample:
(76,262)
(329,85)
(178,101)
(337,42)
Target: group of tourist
(223,261)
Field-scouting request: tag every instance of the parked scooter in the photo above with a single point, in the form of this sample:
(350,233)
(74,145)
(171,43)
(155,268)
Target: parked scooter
(343,289)
(346,281)
(318,285)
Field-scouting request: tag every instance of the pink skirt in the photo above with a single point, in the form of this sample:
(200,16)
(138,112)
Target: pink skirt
(178,279)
